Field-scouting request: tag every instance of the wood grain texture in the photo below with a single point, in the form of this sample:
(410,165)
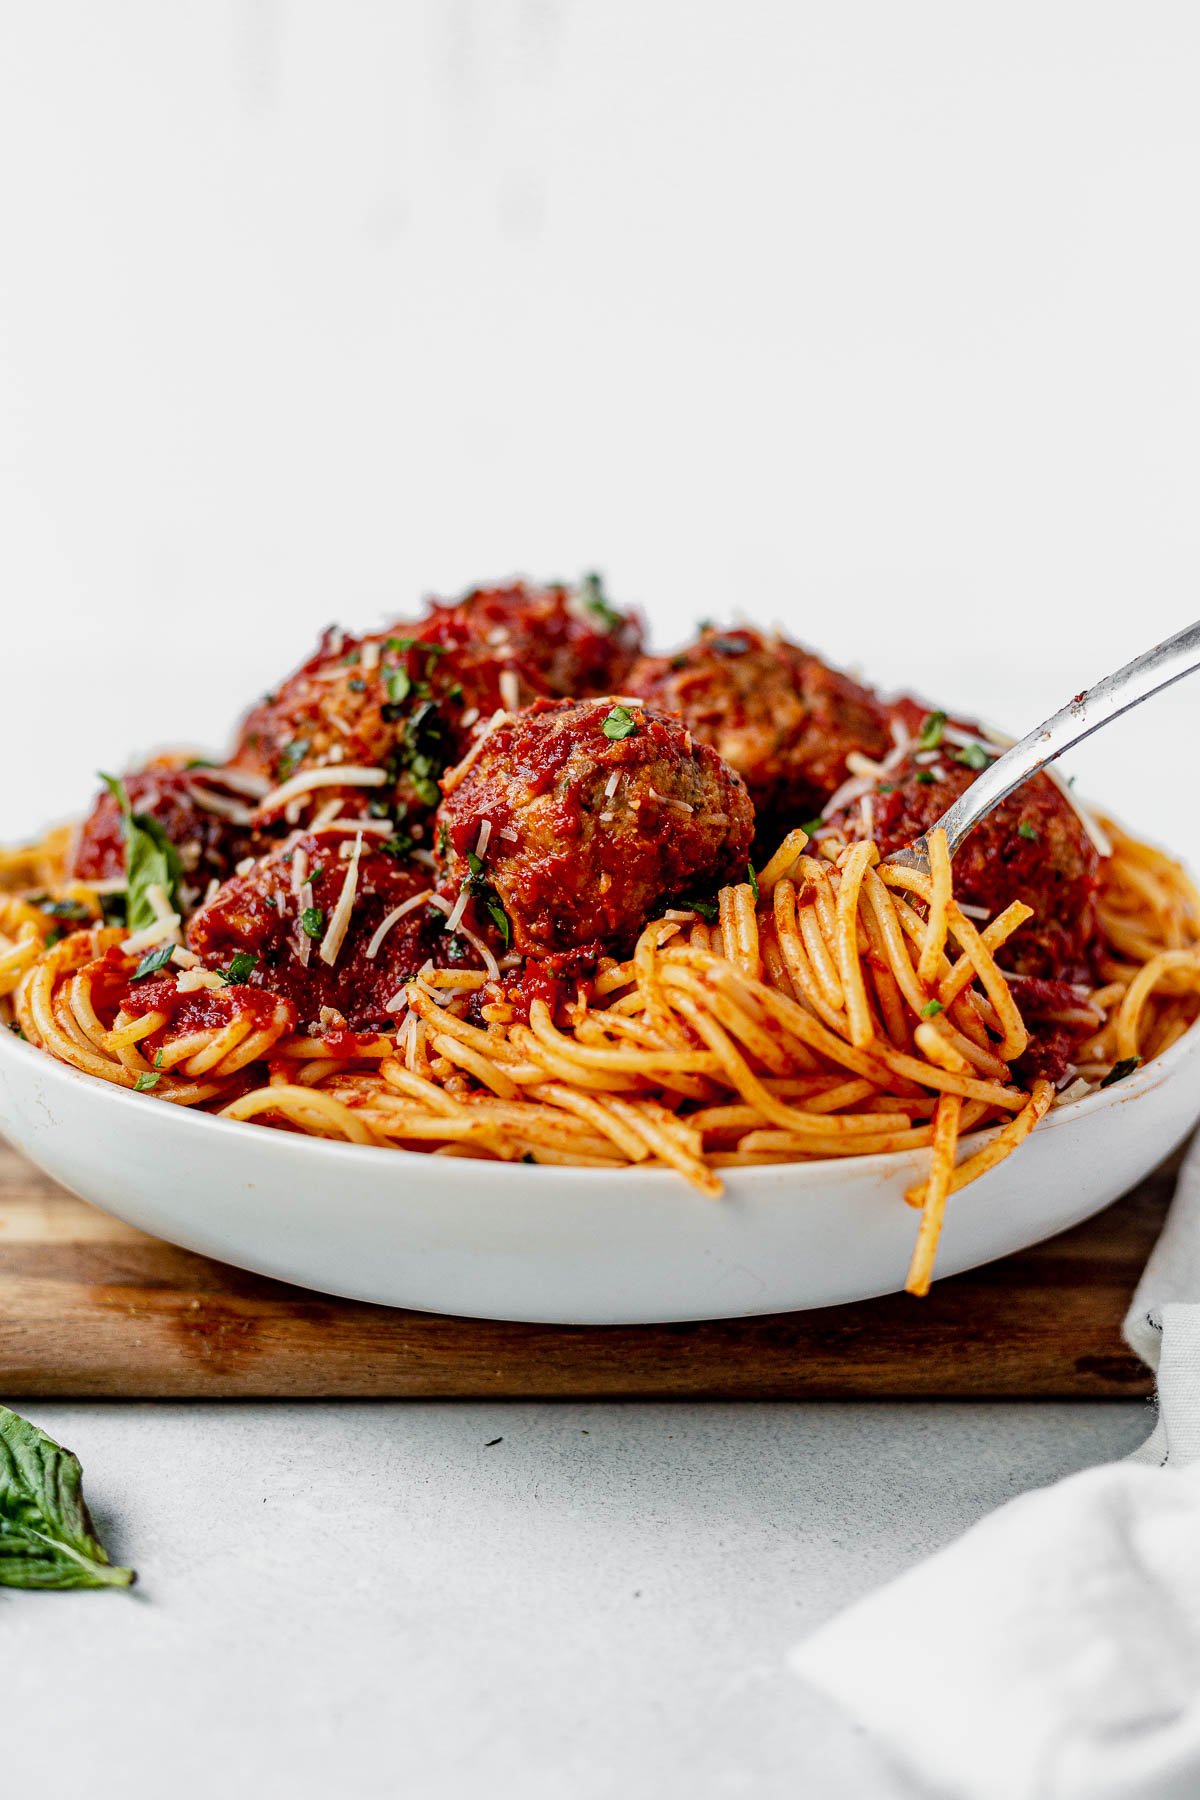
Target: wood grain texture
(91,1307)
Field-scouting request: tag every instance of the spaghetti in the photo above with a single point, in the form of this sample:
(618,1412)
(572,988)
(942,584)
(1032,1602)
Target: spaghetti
(835,1005)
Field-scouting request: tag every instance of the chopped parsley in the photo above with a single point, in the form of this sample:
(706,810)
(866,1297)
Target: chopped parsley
(499,917)
(399,685)
(752,878)
(61,909)
(487,897)
(16,1031)
(316,874)
(1026,830)
(705,909)
(596,602)
(312,921)
(729,646)
(153,961)
(926,777)
(1120,1070)
(619,723)
(241,965)
(146,1081)
(886,787)
(973,756)
(811,825)
(54,937)
(443,840)
(931,1009)
(291,756)
(357,685)
(930,734)
(422,752)
(399,846)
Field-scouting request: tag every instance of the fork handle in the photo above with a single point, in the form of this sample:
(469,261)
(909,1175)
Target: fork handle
(1147,674)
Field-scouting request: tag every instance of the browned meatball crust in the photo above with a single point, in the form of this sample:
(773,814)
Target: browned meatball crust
(778,715)
(568,642)
(579,818)
(279,911)
(1032,848)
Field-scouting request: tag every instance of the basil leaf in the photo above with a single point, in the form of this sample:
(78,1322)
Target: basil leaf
(1027,831)
(145,1082)
(312,921)
(931,1009)
(474,863)
(619,723)
(47,1539)
(153,961)
(811,825)
(241,967)
(150,860)
(399,685)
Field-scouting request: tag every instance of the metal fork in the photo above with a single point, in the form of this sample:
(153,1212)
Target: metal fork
(1089,711)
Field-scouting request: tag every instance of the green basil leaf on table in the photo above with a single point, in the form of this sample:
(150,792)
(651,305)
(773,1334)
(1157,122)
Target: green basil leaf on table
(47,1539)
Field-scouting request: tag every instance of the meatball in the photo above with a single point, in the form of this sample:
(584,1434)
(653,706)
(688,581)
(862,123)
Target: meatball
(1032,847)
(783,719)
(279,911)
(404,700)
(566,642)
(572,822)
(206,823)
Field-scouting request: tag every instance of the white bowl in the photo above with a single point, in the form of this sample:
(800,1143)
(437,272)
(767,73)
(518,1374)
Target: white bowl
(570,1246)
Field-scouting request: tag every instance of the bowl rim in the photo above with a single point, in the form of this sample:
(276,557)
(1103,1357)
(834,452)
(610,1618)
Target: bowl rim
(1148,1075)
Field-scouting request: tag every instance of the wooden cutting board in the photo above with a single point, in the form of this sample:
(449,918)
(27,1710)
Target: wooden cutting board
(91,1307)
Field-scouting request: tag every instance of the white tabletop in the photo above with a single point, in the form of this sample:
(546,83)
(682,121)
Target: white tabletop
(377,1599)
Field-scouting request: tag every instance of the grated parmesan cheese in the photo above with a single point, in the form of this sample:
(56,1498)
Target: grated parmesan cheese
(192,980)
(396,914)
(238,781)
(510,689)
(484,838)
(335,932)
(477,944)
(233,810)
(351,775)
(161,931)
(459,908)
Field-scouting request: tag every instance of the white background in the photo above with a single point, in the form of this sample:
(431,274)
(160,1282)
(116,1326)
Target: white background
(879,320)
(882,321)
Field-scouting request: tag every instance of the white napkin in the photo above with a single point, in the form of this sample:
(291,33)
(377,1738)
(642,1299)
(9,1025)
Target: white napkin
(1053,1651)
